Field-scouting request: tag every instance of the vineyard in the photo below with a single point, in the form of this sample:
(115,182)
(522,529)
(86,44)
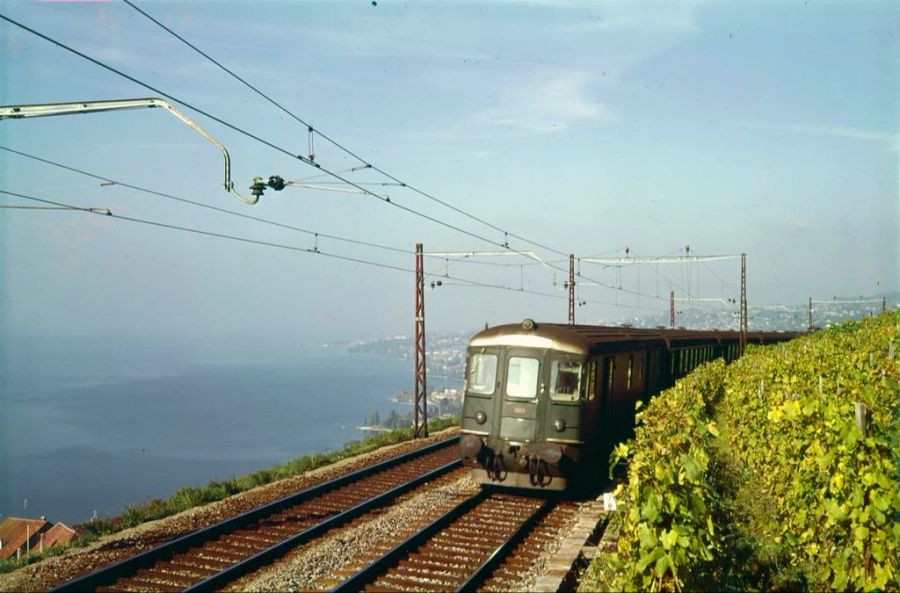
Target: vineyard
(779,471)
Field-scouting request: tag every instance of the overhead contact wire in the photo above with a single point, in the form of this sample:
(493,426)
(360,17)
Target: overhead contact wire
(213,233)
(253,136)
(284,151)
(254,241)
(335,142)
(109,180)
(207,206)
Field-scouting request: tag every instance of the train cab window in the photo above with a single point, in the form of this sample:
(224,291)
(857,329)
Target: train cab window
(482,373)
(565,380)
(522,377)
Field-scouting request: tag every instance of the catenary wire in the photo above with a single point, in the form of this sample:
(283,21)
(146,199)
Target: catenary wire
(255,137)
(557,296)
(212,233)
(338,145)
(713,272)
(286,152)
(202,205)
(226,211)
(474,283)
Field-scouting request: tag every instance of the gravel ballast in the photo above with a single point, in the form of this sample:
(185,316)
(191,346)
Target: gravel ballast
(75,562)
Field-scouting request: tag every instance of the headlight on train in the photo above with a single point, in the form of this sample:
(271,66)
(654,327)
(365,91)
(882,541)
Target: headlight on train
(559,425)
(480,417)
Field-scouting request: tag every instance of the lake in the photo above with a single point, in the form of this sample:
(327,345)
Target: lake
(96,426)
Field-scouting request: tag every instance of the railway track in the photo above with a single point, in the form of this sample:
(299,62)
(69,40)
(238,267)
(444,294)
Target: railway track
(485,543)
(212,557)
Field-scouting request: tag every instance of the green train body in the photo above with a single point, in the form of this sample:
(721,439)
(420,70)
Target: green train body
(545,403)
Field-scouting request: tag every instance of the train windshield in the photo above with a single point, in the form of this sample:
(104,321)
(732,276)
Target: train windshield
(565,380)
(522,377)
(482,373)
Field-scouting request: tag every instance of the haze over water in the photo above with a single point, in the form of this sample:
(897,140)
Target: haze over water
(90,426)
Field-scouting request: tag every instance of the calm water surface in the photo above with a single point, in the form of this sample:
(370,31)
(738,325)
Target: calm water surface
(96,426)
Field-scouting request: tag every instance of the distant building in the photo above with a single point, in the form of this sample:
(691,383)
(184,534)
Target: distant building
(58,535)
(18,536)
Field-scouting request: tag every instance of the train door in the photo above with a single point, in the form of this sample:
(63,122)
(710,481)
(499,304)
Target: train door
(640,381)
(655,372)
(607,388)
(619,398)
(606,378)
(591,406)
(516,404)
(635,389)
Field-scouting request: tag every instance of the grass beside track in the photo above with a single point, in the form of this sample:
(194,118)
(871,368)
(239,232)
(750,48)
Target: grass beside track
(190,497)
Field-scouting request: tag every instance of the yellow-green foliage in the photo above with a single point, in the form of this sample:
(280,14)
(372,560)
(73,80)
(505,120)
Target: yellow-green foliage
(668,539)
(834,493)
(791,481)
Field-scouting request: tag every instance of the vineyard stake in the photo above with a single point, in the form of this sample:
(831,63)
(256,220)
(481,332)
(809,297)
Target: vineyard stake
(862,417)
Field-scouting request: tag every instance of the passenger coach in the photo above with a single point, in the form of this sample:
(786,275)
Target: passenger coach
(542,400)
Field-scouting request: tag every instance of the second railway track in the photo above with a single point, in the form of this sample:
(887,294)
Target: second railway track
(486,543)
(212,557)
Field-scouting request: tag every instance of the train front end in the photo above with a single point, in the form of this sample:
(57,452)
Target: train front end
(522,413)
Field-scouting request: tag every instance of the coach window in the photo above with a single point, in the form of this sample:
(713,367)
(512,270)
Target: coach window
(522,377)
(630,372)
(565,380)
(610,374)
(482,373)
(591,378)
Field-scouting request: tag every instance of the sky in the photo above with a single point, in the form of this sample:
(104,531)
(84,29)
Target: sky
(765,128)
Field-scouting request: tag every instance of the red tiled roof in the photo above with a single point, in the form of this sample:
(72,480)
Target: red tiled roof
(15,530)
(59,534)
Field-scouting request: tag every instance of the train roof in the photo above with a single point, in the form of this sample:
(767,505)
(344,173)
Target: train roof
(584,339)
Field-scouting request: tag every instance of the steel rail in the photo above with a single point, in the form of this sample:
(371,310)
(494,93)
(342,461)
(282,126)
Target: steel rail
(364,576)
(367,574)
(250,564)
(128,567)
(480,574)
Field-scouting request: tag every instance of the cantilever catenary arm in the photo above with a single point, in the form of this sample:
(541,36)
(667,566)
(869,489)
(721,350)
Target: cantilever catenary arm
(48,109)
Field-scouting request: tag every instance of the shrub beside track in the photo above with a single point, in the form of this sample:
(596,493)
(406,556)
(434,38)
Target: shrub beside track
(756,475)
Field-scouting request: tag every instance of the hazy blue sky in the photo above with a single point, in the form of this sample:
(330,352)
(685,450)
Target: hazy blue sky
(767,128)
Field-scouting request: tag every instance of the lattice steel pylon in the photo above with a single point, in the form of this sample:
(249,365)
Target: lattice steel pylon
(420,428)
(571,289)
(672,309)
(743,302)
